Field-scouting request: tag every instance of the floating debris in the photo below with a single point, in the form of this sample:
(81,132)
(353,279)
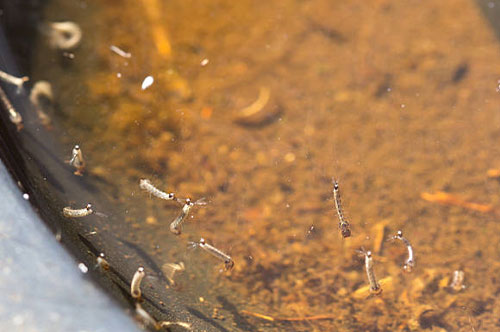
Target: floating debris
(260,112)
(228,261)
(42,97)
(14,116)
(449,199)
(457,283)
(175,226)
(135,285)
(410,262)
(64,36)
(343,223)
(77,160)
(148,81)
(204,62)
(17,81)
(120,52)
(146,185)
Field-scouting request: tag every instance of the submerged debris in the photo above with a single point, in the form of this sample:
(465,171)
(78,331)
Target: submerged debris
(170,269)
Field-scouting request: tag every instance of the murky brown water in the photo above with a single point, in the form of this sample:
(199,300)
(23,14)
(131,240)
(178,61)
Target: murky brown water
(392,98)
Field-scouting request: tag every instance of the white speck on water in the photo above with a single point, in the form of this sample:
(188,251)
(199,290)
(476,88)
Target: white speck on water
(83,268)
(204,62)
(389,89)
(18,320)
(119,75)
(403,105)
(148,81)
(26,196)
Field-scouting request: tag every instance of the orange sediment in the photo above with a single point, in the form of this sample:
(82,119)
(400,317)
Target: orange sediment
(287,319)
(449,199)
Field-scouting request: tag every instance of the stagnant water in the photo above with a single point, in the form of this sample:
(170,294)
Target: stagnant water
(396,100)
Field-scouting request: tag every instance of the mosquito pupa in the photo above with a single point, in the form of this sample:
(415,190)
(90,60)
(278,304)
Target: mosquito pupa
(343,223)
(169,270)
(457,283)
(135,285)
(175,226)
(41,96)
(147,186)
(14,80)
(78,213)
(77,160)
(102,262)
(374,285)
(410,261)
(64,36)
(228,261)
(14,116)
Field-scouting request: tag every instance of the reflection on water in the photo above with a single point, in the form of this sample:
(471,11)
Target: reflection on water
(256,106)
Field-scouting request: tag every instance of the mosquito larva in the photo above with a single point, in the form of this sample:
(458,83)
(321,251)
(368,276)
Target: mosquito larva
(228,261)
(102,262)
(374,286)
(135,285)
(77,160)
(65,36)
(40,91)
(14,116)
(343,223)
(78,213)
(17,81)
(175,226)
(457,283)
(147,186)
(410,262)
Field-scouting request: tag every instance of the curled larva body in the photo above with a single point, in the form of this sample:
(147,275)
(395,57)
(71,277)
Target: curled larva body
(410,261)
(135,285)
(77,213)
(64,36)
(147,186)
(40,94)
